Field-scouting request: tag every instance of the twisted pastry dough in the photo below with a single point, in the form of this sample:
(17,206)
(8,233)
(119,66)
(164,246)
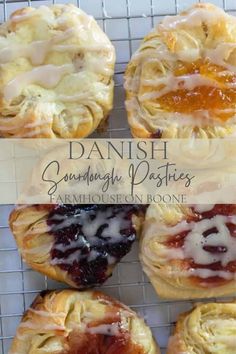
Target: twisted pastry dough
(190,251)
(56,68)
(207,329)
(181,81)
(76,244)
(69,321)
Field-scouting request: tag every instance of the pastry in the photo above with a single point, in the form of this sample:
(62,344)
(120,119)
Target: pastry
(56,69)
(181,81)
(190,251)
(207,329)
(76,244)
(74,322)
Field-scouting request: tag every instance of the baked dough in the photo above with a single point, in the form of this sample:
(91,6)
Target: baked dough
(181,81)
(76,244)
(190,251)
(207,329)
(56,69)
(70,321)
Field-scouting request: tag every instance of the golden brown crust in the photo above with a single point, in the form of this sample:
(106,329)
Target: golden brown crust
(69,321)
(188,254)
(61,258)
(208,328)
(177,82)
(66,90)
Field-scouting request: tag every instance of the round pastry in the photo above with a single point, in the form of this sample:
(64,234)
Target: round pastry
(56,68)
(77,244)
(190,251)
(181,81)
(74,322)
(208,328)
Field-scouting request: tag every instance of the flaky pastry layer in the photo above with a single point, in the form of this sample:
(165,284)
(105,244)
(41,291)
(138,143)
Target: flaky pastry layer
(56,73)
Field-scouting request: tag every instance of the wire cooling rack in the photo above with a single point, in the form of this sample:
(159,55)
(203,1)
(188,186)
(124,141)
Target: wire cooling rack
(125,22)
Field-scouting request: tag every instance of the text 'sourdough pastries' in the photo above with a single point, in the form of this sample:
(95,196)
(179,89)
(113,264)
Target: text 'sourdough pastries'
(181,81)
(56,69)
(69,321)
(190,251)
(207,329)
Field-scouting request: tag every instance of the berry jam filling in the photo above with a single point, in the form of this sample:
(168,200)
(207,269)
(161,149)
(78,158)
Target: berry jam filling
(157,134)
(105,335)
(215,250)
(101,344)
(91,239)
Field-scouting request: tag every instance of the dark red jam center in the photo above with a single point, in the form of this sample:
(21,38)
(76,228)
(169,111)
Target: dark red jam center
(86,343)
(177,241)
(90,239)
(157,134)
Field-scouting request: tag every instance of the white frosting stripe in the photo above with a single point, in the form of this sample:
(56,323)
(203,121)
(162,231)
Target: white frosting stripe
(46,75)
(174,83)
(198,242)
(194,18)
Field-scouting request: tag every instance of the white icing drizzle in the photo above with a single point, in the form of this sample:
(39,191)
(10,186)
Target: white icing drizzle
(46,75)
(194,18)
(195,242)
(114,225)
(75,256)
(220,54)
(111,233)
(37,50)
(112,329)
(207,273)
(173,83)
(201,208)
(193,246)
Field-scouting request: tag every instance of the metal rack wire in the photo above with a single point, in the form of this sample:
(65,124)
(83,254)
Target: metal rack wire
(125,22)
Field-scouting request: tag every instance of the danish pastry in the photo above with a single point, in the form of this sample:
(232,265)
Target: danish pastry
(190,251)
(70,321)
(208,328)
(55,74)
(181,81)
(76,244)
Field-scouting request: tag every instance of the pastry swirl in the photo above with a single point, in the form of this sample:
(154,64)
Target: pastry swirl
(55,74)
(70,321)
(190,251)
(76,244)
(207,329)
(181,81)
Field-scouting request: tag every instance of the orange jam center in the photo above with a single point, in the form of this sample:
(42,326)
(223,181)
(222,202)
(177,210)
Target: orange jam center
(215,99)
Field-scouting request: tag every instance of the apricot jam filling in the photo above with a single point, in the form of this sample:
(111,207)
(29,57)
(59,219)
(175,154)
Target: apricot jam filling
(214,91)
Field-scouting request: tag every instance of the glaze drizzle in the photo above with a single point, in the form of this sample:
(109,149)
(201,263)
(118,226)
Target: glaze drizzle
(91,239)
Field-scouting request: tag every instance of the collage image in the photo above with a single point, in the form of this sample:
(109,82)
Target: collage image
(155,278)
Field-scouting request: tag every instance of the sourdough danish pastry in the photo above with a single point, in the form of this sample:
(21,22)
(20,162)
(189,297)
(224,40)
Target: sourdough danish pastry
(56,68)
(77,244)
(208,328)
(190,251)
(70,321)
(182,80)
